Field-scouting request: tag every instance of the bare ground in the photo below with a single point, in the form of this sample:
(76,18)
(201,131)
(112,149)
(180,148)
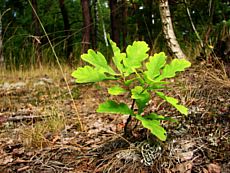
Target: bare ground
(40,129)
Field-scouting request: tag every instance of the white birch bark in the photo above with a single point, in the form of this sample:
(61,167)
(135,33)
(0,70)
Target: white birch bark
(168,31)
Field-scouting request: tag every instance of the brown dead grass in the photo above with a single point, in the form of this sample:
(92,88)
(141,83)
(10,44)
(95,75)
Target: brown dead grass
(44,133)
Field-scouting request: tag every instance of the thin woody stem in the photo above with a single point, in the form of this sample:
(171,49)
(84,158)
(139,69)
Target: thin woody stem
(129,119)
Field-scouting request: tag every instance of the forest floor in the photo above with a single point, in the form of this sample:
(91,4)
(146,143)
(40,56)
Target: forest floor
(40,129)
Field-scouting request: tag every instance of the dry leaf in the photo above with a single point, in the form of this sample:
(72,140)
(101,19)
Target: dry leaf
(6,159)
(185,167)
(2,120)
(205,170)
(186,156)
(166,170)
(214,168)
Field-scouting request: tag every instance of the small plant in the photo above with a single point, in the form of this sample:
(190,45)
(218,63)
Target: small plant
(139,77)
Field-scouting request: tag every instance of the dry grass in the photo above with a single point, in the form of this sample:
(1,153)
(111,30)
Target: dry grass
(43,133)
(201,81)
(24,74)
(126,160)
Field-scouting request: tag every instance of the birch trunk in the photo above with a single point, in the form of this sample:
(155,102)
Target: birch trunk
(168,31)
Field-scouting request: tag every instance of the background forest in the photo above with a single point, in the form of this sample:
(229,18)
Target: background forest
(201,26)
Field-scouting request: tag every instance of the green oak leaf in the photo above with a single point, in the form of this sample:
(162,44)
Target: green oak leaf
(154,65)
(115,108)
(170,70)
(89,74)
(141,96)
(129,81)
(182,109)
(98,60)
(136,54)
(139,93)
(154,126)
(154,116)
(118,56)
(116,90)
(156,86)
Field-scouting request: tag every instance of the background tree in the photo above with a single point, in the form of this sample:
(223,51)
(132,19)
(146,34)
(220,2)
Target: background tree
(94,21)
(114,20)
(86,25)
(67,31)
(124,9)
(168,30)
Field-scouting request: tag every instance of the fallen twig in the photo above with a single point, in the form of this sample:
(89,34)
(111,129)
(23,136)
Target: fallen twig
(4,117)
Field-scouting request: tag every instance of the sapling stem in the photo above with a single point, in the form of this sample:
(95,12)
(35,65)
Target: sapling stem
(129,119)
(130,116)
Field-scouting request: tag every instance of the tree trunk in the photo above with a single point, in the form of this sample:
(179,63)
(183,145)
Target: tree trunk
(86,26)
(114,20)
(69,42)
(168,31)
(37,33)
(124,22)
(95,20)
(102,22)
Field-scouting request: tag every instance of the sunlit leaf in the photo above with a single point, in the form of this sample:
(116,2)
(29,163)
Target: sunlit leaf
(182,109)
(113,107)
(141,96)
(97,60)
(89,74)
(136,54)
(154,65)
(129,81)
(118,56)
(116,90)
(170,70)
(154,116)
(154,126)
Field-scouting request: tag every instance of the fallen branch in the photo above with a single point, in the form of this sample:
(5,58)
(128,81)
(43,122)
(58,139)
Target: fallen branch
(4,117)
(24,118)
